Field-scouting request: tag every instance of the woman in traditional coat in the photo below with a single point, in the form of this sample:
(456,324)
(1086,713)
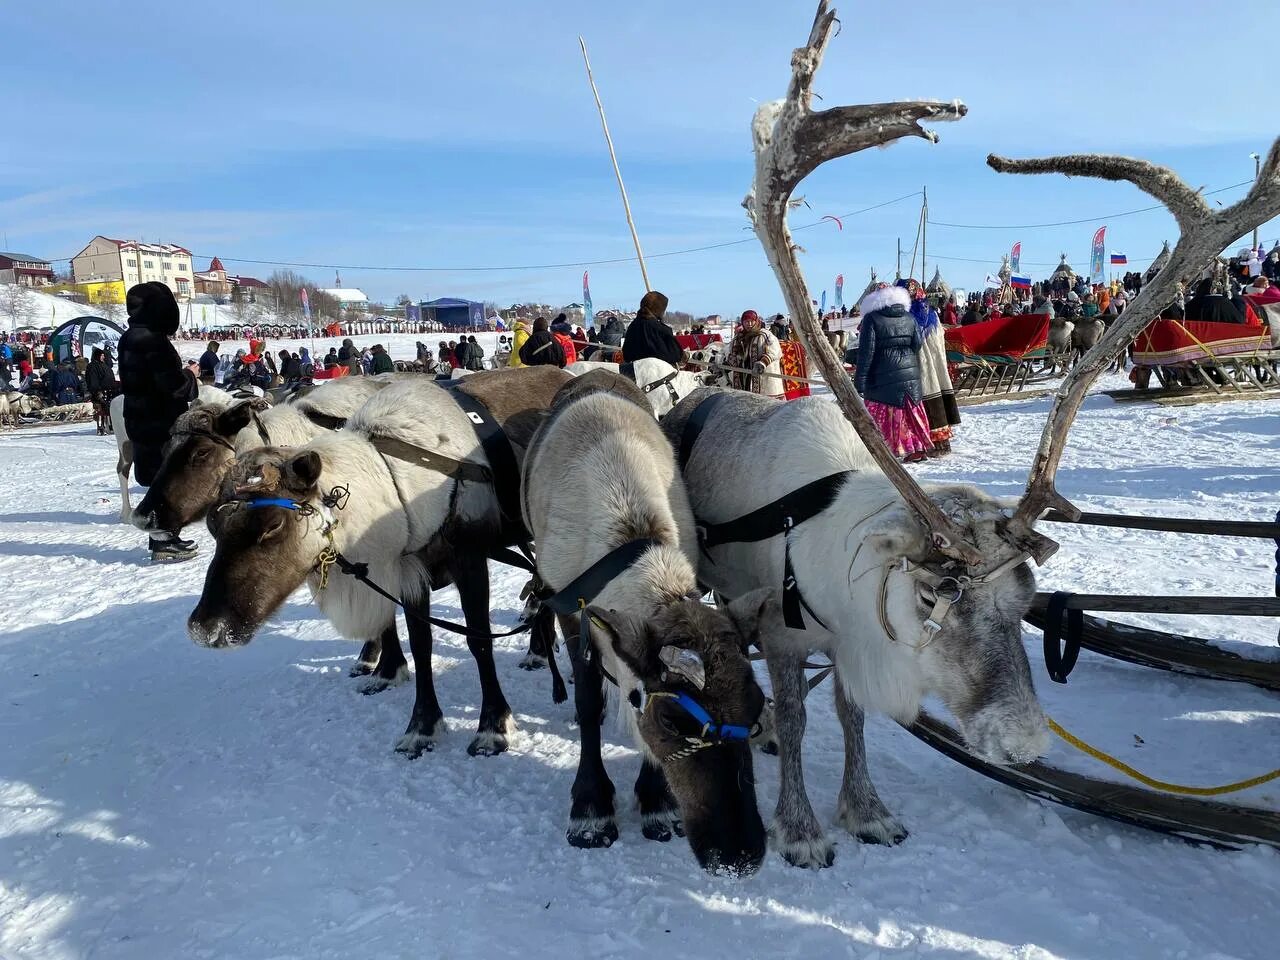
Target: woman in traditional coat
(935,379)
(888,372)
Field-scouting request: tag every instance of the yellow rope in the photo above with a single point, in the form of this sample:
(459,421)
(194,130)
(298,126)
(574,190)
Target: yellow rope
(1151,781)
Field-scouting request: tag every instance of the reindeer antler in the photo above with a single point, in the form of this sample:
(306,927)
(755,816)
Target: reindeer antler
(1205,233)
(791,141)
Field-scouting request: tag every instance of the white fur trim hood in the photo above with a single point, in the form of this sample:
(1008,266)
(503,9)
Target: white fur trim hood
(883,298)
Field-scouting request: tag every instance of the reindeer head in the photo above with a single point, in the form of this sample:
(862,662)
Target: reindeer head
(270,526)
(947,629)
(697,705)
(200,446)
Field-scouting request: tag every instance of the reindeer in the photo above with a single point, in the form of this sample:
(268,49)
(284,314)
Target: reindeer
(14,404)
(1085,334)
(1061,332)
(681,666)
(204,441)
(124,448)
(406,490)
(661,383)
(937,577)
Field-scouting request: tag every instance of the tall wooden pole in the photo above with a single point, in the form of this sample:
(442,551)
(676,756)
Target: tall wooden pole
(626,205)
(924,237)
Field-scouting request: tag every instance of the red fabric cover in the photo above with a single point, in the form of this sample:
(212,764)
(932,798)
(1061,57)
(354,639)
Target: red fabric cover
(1174,341)
(696,341)
(794,364)
(1011,337)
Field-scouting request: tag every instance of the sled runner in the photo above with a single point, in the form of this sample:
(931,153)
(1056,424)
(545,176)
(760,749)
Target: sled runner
(1221,825)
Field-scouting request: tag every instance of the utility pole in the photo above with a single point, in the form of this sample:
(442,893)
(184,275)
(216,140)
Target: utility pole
(1257,171)
(898,272)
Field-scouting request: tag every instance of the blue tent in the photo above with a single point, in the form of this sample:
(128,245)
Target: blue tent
(455,314)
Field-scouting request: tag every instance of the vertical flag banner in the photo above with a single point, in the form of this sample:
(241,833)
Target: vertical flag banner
(588,315)
(822,309)
(1097,262)
(1015,256)
(839,291)
(306,309)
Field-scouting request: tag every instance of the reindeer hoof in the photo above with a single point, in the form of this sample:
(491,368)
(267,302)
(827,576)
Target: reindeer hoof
(811,851)
(533,661)
(769,747)
(661,827)
(362,669)
(488,743)
(377,684)
(881,829)
(414,745)
(592,833)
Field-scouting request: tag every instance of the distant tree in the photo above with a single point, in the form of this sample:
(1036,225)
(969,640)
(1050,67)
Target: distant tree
(16,304)
(403,300)
(679,320)
(108,308)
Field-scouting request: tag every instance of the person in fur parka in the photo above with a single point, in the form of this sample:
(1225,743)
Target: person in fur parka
(888,373)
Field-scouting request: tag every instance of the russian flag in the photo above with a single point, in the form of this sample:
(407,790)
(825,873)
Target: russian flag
(1119,260)
(1020,283)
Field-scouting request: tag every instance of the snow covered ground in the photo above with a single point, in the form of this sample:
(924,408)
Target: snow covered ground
(163,800)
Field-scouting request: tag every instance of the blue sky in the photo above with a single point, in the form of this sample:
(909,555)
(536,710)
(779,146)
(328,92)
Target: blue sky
(451,135)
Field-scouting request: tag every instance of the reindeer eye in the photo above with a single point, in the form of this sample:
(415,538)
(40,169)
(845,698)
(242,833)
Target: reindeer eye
(200,455)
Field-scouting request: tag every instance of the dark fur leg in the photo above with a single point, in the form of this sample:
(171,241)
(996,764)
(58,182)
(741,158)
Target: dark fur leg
(591,819)
(368,659)
(542,641)
(795,832)
(392,667)
(426,723)
(658,811)
(859,809)
(471,574)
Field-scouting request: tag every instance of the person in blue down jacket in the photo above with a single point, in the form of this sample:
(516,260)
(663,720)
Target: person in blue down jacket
(888,372)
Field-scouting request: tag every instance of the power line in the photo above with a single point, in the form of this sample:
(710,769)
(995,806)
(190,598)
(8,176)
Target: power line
(1072,223)
(525,266)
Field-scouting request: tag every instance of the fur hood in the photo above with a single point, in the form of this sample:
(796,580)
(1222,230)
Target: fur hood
(883,299)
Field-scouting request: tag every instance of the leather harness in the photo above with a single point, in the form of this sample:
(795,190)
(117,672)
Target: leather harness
(779,517)
(628,370)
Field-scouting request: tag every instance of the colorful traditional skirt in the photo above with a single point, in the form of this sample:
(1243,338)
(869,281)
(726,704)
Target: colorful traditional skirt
(905,429)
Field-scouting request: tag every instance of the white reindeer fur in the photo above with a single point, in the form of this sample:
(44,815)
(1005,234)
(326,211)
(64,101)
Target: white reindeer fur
(621,468)
(838,579)
(373,527)
(648,370)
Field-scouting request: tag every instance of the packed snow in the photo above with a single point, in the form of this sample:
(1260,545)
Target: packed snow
(163,800)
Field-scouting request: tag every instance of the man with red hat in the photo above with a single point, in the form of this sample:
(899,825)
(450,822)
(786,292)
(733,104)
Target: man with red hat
(754,348)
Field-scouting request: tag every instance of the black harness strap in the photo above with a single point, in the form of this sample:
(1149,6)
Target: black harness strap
(409,453)
(324,420)
(262,429)
(778,517)
(628,370)
(1060,660)
(361,572)
(504,472)
(584,588)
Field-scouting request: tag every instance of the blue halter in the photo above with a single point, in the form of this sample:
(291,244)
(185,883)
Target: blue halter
(710,729)
(273,502)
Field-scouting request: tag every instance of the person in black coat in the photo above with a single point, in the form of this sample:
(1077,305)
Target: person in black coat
(888,372)
(613,332)
(64,385)
(156,392)
(1210,307)
(100,384)
(209,362)
(648,336)
(542,348)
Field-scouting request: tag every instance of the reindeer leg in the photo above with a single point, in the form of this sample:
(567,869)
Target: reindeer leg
(795,831)
(367,660)
(544,627)
(391,668)
(591,817)
(426,723)
(859,809)
(471,575)
(659,814)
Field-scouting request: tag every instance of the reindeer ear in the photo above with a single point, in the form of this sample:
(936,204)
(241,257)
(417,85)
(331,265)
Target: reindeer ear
(233,419)
(301,471)
(896,533)
(749,612)
(624,633)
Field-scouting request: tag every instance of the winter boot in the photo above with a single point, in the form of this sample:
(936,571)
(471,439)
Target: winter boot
(171,549)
